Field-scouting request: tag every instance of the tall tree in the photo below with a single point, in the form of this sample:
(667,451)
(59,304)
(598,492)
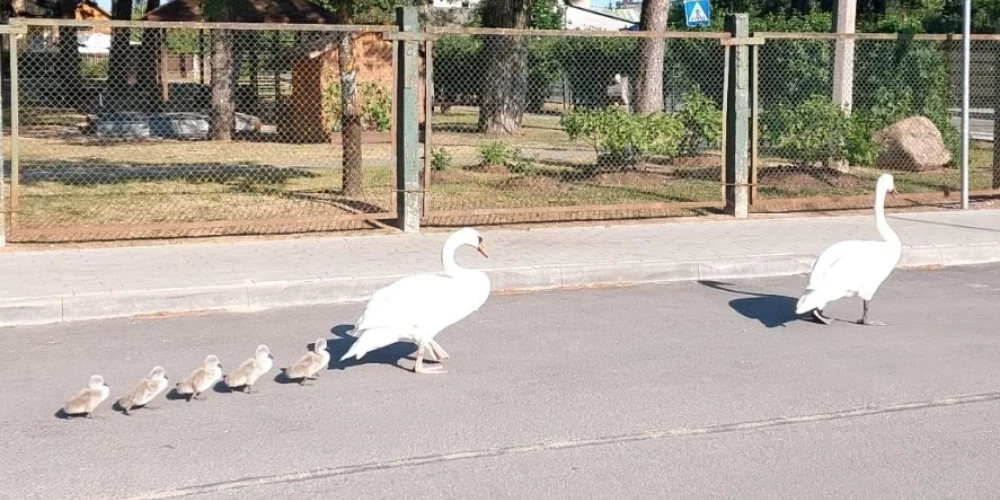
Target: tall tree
(223,115)
(349,12)
(118,63)
(653,18)
(506,58)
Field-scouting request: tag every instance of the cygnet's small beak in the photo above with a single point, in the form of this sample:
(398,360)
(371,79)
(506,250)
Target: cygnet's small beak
(270,357)
(220,365)
(482,250)
(105,384)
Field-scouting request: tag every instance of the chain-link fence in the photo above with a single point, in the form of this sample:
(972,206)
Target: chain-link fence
(169,129)
(529,127)
(826,135)
(142,131)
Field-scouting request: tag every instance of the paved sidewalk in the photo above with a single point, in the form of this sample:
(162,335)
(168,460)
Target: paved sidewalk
(75,284)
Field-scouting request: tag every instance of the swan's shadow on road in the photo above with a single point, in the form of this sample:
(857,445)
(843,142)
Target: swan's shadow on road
(771,310)
(388,355)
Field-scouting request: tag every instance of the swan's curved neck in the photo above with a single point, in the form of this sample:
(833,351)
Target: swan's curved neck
(451,268)
(880,223)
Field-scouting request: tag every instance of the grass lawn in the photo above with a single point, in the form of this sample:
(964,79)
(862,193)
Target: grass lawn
(69,181)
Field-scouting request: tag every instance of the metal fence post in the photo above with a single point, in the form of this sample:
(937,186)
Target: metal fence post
(3,172)
(995,184)
(15,28)
(737,126)
(408,199)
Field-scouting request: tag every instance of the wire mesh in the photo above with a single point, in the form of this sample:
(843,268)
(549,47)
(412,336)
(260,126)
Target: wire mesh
(155,132)
(528,128)
(904,98)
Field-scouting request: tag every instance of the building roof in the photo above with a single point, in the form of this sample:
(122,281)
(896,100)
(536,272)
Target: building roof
(245,11)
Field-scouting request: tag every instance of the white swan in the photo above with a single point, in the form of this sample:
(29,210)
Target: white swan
(854,267)
(415,308)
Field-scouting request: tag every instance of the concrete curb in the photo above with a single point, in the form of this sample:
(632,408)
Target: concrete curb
(255,296)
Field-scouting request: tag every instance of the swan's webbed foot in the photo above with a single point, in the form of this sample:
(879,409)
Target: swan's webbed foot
(419,367)
(439,351)
(817,315)
(429,370)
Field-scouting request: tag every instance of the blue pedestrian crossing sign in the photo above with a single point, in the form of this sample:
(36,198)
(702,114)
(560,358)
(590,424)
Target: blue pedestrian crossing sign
(697,12)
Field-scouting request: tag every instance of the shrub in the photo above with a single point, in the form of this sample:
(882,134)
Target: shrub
(812,131)
(441,159)
(628,138)
(495,153)
(702,122)
(376,106)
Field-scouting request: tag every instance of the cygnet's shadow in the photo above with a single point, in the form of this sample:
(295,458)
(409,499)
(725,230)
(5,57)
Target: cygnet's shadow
(173,395)
(220,387)
(388,355)
(771,310)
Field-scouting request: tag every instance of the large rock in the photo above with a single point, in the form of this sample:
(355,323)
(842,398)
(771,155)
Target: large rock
(913,144)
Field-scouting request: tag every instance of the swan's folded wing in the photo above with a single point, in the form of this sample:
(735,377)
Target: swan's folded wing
(845,265)
(412,297)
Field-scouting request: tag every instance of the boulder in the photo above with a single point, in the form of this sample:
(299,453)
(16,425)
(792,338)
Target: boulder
(913,144)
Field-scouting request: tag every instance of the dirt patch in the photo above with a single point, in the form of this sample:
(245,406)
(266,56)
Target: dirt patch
(809,177)
(695,161)
(452,176)
(489,169)
(533,183)
(631,179)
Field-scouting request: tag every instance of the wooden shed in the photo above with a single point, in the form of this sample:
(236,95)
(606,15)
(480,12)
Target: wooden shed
(313,74)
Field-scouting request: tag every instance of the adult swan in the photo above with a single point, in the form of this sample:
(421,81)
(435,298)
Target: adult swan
(416,308)
(854,267)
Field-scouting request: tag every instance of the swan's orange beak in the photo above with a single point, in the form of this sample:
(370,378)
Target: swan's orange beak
(482,250)
(893,193)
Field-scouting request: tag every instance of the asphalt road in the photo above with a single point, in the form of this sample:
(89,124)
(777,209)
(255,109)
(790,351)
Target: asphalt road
(687,390)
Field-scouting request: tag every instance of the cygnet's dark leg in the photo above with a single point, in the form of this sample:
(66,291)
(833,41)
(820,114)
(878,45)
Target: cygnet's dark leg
(864,318)
(246,389)
(817,314)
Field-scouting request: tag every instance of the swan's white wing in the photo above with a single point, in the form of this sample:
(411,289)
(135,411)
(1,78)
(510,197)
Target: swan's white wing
(424,303)
(414,308)
(848,268)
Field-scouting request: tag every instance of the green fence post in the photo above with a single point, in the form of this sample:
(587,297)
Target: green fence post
(737,118)
(408,199)
(995,184)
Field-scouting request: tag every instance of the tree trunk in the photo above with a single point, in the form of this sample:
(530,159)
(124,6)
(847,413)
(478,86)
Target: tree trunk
(119,68)
(70,63)
(149,81)
(222,123)
(506,84)
(350,118)
(649,98)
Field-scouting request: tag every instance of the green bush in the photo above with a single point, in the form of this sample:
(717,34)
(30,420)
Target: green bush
(496,153)
(544,69)
(441,159)
(375,103)
(458,67)
(629,138)
(702,121)
(376,106)
(812,131)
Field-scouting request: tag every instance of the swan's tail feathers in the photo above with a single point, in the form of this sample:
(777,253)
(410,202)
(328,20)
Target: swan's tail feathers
(368,340)
(810,300)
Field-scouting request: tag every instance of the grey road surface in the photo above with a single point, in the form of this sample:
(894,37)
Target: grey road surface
(687,390)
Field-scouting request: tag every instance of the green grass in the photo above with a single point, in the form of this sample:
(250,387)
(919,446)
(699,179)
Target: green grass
(178,181)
